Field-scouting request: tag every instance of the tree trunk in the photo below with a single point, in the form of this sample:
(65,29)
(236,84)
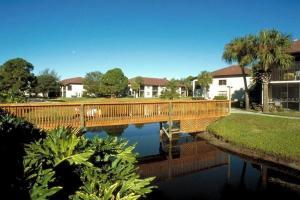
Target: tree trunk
(247,106)
(265,79)
(265,86)
(246,89)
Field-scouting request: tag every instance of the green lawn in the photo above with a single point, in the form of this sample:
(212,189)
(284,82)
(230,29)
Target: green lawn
(275,136)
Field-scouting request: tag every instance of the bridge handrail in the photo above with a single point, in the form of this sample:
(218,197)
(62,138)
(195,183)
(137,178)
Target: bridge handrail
(116,113)
(40,104)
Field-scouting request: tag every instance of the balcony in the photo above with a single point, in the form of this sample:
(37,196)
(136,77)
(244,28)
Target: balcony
(291,74)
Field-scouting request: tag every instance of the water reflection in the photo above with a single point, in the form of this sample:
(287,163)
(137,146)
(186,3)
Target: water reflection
(189,168)
(188,158)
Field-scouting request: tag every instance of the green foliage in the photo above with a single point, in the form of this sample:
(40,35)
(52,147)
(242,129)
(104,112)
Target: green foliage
(92,83)
(15,79)
(241,50)
(14,133)
(41,189)
(204,80)
(272,50)
(171,90)
(48,83)
(114,83)
(83,169)
(198,98)
(220,98)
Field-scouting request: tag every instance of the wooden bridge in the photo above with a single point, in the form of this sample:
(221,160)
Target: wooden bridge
(194,116)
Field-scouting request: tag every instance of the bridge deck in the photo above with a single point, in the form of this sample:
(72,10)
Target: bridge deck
(190,113)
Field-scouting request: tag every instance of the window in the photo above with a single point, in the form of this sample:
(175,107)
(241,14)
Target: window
(222,93)
(69,87)
(222,82)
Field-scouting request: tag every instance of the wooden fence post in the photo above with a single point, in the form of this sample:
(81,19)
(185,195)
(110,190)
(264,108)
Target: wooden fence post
(82,119)
(170,120)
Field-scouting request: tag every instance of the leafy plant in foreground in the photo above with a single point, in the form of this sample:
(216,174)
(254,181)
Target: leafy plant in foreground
(77,168)
(14,134)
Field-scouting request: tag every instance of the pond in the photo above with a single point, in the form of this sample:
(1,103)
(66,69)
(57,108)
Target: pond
(190,168)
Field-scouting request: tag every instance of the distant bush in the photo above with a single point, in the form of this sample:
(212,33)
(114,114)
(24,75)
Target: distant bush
(167,94)
(220,98)
(198,98)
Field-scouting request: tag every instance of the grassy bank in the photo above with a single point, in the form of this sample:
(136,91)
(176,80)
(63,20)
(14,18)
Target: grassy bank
(287,113)
(275,136)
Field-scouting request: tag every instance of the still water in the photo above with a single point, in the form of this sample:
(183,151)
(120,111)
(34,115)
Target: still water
(190,168)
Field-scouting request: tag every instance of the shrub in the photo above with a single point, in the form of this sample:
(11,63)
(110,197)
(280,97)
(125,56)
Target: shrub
(168,94)
(65,165)
(220,98)
(14,134)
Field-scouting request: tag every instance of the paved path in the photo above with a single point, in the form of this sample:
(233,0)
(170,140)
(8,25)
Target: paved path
(234,110)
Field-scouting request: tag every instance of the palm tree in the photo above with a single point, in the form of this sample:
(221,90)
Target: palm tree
(204,80)
(242,51)
(136,84)
(271,49)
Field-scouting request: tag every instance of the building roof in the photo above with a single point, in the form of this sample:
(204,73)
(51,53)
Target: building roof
(232,70)
(152,81)
(295,48)
(75,80)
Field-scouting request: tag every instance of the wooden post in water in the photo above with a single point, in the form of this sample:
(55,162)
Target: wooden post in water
(82,120)
(170,121)
(264,176)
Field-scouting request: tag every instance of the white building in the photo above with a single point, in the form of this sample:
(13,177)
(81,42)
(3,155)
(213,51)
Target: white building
(72,87)
(152,87)
(226,81)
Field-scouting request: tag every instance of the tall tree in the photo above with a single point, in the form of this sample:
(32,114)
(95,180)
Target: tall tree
(92,83)
(114,82)
(271,49)
(204,80)
(48,83)
(16,79)
(242,51)
(136,84)
(171,90)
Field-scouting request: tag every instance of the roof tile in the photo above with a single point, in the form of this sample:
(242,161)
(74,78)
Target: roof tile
(295,48)
(233,70)
(75,80)
(152,81)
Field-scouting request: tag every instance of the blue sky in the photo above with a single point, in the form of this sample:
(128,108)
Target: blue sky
(154,38)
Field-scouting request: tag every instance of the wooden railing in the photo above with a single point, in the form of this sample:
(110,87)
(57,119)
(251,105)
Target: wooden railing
(49,116)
